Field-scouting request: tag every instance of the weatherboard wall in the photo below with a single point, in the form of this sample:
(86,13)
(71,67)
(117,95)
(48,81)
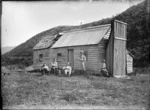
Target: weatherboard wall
(95,55)
(46,57)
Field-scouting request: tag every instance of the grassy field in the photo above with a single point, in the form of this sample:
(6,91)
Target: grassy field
(31,90)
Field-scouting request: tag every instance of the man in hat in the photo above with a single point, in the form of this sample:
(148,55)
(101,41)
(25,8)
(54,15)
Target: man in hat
(83,60)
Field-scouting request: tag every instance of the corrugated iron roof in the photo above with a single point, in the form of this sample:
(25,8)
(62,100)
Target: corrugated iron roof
(46,42)
(88,36)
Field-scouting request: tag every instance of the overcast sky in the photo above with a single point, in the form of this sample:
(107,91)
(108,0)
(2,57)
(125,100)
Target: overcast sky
(22,20)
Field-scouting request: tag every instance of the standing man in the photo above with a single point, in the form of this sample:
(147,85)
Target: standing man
(83,60)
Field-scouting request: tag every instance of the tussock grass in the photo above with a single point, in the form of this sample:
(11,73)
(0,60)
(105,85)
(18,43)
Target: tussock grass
(144,70)
(30,89)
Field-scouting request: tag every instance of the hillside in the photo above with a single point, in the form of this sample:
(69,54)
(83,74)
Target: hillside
(138,42)
(7,49)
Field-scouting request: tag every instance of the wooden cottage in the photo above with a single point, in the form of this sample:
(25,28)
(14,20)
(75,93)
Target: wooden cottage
(100,42)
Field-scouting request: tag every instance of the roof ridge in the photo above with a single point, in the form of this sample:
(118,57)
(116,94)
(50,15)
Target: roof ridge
(87,28)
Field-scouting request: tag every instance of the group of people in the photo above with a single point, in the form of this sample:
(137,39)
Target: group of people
(55,69)
(67,70)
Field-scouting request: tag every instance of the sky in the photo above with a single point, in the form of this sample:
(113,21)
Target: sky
(22,20)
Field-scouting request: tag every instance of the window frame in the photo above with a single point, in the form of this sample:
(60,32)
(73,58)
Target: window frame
(59,57)
(40,57)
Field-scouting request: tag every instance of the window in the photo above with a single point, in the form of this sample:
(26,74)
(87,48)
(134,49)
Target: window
(40,57)
(59,55)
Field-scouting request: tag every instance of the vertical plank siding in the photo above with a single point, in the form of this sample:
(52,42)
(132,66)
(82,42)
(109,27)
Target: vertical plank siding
(119,58)
(119,63)
(116,49)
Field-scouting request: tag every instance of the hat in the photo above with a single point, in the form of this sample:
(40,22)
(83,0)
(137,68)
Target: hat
(81,51)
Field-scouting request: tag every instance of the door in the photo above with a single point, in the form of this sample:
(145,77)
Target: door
(71,57)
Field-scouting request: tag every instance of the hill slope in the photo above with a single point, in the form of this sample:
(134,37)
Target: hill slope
(7,49)
(137,34)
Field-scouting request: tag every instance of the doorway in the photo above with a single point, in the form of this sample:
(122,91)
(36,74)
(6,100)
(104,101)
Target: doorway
(71,57)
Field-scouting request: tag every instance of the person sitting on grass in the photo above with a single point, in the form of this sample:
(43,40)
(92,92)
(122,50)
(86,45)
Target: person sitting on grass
(44,69)
(67,69)
(54,66)
(104,70)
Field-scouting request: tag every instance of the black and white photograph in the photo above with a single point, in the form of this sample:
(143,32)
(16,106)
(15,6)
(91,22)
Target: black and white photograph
(75,54)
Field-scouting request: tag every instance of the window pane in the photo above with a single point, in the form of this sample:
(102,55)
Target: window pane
(40,57)
(59,56)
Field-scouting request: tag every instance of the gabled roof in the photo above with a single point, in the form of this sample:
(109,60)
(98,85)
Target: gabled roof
(87,36)
(46,42)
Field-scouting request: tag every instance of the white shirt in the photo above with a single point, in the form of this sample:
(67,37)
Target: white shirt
(54,64)
(45,67)
(104,66)
(83,58)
